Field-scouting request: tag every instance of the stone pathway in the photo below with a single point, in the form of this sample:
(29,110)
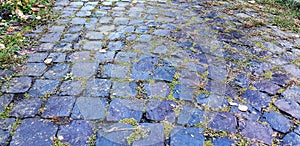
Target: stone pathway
(154,72)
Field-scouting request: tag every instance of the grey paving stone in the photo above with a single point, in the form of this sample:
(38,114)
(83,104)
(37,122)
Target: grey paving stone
(70,38)
(145,38)
(297,130)
(63,47)
(161,50)
(5,100)
(213,101)
(92,45)
(288,106)
(126,57)
(161,32)
(190,116)
(105,28)
(242,80)
(5,129)
(121,21)
(116,46)
(84,69)
(124,89)
(291,139)
(131,37)
(223,141)
(26,108)
(37,57)
(17,85)
(158,89)
(126,29)
(89,108)
(155,135)
(77,132)
(71,87)
(57,57)
(34,69)
(256,98)
(51,37)
(105,20)
(115,71)
(254,130)
(58,106)
(116,36)
(224,121)
(292,69)
(34,132)
(217,72)
(159,110)
(183,92)
(82,56)
(75,28)
(277,121)
(164,73)
(58,71)
(93,35)
(78,20)
(56,28)
(143,68)
(43,87)
(186,136)
(190,79)
(97,87)
(83,13)
(105,57)
(267,86)
(125,108)
(292,93)
(142,29)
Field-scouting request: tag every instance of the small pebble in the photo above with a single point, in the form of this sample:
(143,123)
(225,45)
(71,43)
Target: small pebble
(242,108)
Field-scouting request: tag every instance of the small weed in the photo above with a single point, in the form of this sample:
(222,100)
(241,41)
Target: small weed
(167,128)
(267,74)
(57,142)
(68,76)
(92,139)
(15,126)
(6,111)
(137,134)
(26,95)
(130,121)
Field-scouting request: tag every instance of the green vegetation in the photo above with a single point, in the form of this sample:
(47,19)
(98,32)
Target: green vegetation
(130,121)
(137,134)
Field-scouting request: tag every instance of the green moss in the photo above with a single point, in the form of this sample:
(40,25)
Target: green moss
(167,129)
(137,134)
(6,111)
(130,121)
(267,74)
(208,143)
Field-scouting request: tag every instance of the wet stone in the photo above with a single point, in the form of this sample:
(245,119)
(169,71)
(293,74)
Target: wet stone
(224,121)
(79,56)
(84,69)
(4,101)
(60,106)
(190,116)
(26,108)
(34,69)
(143,68)
(291,139)
(89,108)
(213,101)
(5,130)
(257,131)
(159,110)
(105,57)
(93,35)
(115,46)
(17,85)
(256,98)
(77,132)
(155,135)
(92,45)
(43,87)
(51,37)
(37,57)
(105,137)
(267,86)
(292,93)
(223,141)
(277,121)
(183,92)
(58,71)
(70,87)
(125,108)
(34,132)
(57,57)
(125,57)
(124,89)
(164,73)
(158,89)
(288,106)
(145,38)
(97,87)
(182,136)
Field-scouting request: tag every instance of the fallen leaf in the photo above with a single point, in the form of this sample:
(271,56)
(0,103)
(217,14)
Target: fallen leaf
(35,9)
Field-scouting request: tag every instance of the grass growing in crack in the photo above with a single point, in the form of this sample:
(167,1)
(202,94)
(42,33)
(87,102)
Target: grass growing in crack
(130,121)
(15,126)
(137,134)
(6,111)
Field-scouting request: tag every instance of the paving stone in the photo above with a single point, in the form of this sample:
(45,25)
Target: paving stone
(43,87)
(223,141)
(280,79)
(193,67)
(71,87)
(17,85)
(297,130)
(159,110)
(5,72)
(79,56)
(131,37)
(252,114)
(217,72)
(51,37)
(58,106)
(105,20)
(158,89)
(57,57)
(143,68)
(105,28)
(291,139)
(115,46)
(267,86)
(292,69)
(84,69)
(34,69)
(242,80)
(70,38)
(121,21)
(124,89)
(5,129)
(183,92)
(254,130)
(106,137)
(125,29)
(161,50)
(125,108)
(77,132)
(256,98)
(155,135)
(97,87)
(4,101)
(105,57)
(78,20)
(288,106)
(292,93)
(75,28)
(58,71)
(126,57)
(142,29)
(164,73)
(92,45)
(83,13)
(190,79)
(161,32)
(143,47)
(190,116)
(93,35)
(26,108)
(186,136)
(277,121)
(34,132)
(36,57)
(145,38)
(89,108)
(63,47)
(224,121)
(213,101)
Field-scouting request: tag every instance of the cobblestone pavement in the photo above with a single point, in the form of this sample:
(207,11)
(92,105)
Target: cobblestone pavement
(154,72)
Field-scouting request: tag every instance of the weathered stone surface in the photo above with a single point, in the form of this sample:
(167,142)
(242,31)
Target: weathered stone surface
(17,85)
(267,86)
(277,121)
(160,110)
(115,71)
(223,141)
(256,98)
(93,35)
(125,108)
(105,57)
(186,136)
(164,73)
(34,132)
(79,56)
(57,57)
(161,32)
(58,71)
(242,80)
(84,69)
(254,130)
(158,89)
(288,106)
(292,93)
(76,133)
(213,101)
(183,92)
(60,106)
(92,45)
(97,87)
(143,68)
(36,57)
(5,129)
(155,135)
(224,121)
(89,108)
(71,87)
(34,69)
(43,87)
(145,38)
(292,69)
(26,108)
(125,57)
(5,100)
(124,89)
(115,46)
(291,139)
(217,72)
(190,116)
(51,37)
